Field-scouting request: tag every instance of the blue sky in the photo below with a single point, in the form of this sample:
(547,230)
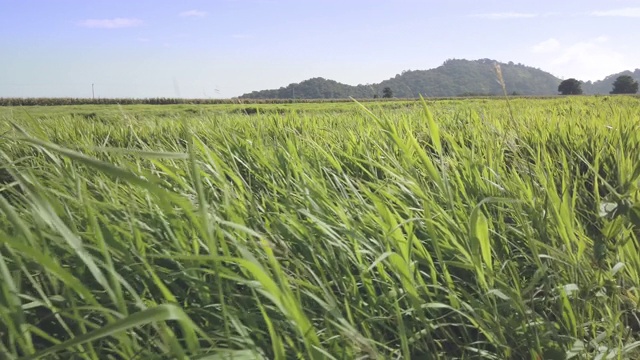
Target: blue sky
(224,48)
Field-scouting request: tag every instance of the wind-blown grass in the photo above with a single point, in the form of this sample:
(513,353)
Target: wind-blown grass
(449,230)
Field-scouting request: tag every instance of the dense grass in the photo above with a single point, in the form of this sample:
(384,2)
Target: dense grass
(466,229)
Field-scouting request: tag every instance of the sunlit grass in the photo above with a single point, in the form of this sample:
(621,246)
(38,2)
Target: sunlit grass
(442,230)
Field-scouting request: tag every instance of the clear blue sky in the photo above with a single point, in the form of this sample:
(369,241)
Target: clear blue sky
(224,48)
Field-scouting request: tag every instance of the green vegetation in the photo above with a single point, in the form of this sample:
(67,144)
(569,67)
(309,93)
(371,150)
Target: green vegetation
(570,87)
(605,85)
(155,101)
(625,84)
(315,88)
(460,229)
(454,78)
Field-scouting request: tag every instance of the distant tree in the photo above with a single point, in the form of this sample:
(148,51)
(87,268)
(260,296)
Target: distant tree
(387,93)
(375,96)
(624,84)
(570,87)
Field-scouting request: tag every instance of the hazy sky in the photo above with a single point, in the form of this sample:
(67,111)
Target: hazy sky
(224,48)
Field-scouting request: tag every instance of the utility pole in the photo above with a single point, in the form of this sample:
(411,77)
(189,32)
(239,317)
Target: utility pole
(93,94)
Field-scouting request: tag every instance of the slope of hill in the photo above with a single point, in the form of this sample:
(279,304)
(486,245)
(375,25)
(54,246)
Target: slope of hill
(605,85)
(467,77)
(453,78)
(315,88)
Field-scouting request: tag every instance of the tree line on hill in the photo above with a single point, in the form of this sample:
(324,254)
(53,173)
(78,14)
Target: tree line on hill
(455,77)
(623,84)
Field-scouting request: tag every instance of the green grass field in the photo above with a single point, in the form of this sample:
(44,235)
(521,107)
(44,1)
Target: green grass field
(454,229)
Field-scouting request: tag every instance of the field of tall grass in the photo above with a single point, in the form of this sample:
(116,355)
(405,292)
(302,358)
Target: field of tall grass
(471,229)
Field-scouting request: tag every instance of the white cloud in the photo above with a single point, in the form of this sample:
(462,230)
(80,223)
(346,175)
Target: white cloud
(193,13)
(116,23)
(601,39)
(591,59)
(505,15)
(546,46)
(625,12)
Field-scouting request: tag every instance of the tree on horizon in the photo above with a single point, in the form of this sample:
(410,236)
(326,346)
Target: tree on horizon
(570,87)
(624,84)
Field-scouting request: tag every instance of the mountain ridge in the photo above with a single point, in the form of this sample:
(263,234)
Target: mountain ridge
(455,77)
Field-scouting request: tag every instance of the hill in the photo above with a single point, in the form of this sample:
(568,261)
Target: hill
(605,85)
(454,77)
(315,88)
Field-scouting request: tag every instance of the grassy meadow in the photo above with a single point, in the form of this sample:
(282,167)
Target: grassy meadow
(451,229)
